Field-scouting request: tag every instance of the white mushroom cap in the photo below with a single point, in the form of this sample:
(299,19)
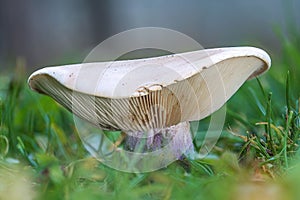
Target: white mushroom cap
(149,93)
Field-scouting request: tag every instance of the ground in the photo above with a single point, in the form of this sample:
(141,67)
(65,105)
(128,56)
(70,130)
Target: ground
(256,157)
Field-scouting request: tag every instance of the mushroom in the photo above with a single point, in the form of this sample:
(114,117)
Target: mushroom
(152,99)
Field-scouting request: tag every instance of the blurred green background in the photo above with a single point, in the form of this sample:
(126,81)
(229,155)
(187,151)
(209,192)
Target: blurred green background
(256,157)
(60,32)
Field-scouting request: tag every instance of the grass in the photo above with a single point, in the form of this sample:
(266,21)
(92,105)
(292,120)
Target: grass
(257,156)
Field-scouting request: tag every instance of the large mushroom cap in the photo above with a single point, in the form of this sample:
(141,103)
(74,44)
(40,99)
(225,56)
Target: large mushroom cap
(149,93)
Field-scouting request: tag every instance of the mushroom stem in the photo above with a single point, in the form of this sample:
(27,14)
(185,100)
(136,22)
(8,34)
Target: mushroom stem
(177,137)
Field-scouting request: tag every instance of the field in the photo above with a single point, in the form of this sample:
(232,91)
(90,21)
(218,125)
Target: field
(256,157)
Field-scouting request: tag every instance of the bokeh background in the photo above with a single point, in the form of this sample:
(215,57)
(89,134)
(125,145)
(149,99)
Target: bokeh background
(61,32)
